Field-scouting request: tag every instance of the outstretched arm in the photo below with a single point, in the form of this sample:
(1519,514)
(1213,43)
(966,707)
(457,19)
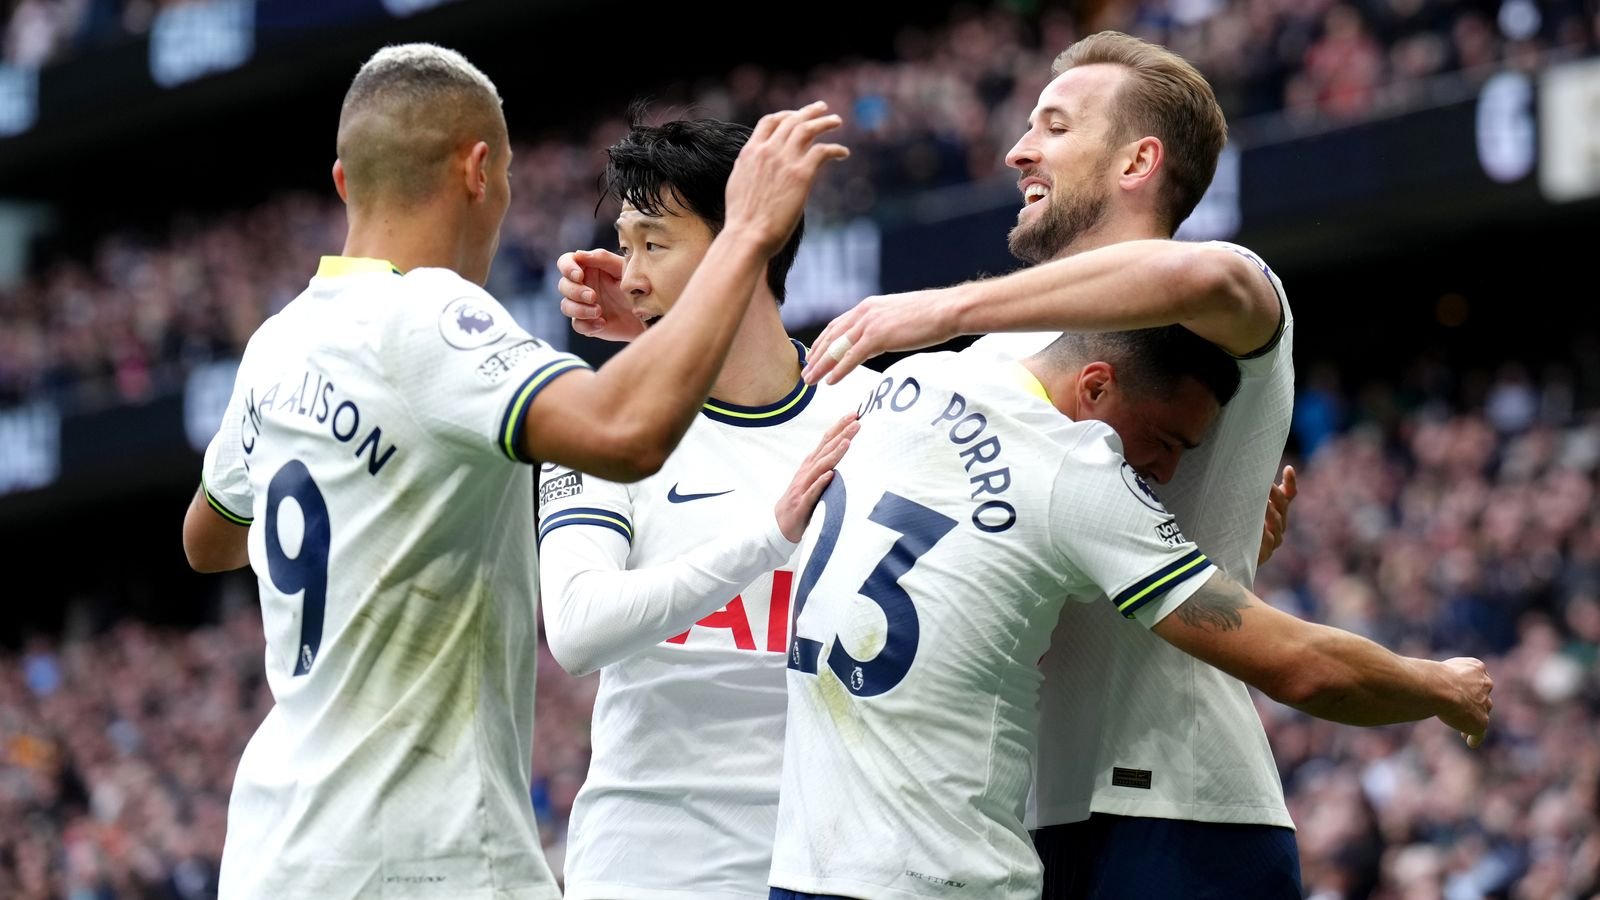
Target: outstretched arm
(1323,671)
(1221,294)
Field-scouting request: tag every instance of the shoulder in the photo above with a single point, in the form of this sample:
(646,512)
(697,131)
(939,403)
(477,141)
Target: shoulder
(464,315)
(1012,345)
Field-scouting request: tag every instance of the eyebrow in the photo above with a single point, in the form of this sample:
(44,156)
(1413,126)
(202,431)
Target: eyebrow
(641,223)
(1045,112)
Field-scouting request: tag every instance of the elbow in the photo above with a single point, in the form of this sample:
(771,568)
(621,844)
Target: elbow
(574,656)
(209,554)
(638,452)
(207,562)
(1301,682)
(1295,689)
(1217,279)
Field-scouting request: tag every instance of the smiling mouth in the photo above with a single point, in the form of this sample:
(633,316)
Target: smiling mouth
(1034,193)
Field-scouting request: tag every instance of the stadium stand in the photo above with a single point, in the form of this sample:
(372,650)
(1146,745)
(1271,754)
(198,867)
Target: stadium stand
(1448,499)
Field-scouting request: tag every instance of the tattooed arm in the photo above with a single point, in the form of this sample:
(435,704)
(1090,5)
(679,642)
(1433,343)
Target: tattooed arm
(1322,671)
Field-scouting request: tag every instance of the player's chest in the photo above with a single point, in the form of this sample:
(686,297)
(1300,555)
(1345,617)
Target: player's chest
(718,480)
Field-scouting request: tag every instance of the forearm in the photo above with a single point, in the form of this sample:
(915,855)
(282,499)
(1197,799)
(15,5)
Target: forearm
(1321,671)
(1129,285)
(597,614)
(1346,678)
(681,356)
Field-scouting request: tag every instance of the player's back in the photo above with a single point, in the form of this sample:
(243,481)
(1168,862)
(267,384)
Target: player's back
(397,586)
(936,576)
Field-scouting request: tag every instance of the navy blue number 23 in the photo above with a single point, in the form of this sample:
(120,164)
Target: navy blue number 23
(308,570)
(919,528)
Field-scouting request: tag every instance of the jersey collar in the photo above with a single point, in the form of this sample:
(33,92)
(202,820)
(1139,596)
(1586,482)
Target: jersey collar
(761,416)
(1030,382)
(337,266)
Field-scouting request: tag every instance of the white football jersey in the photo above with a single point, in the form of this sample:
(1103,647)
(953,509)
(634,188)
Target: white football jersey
(1131,725)
(682,793)
(967,509)
(371,444)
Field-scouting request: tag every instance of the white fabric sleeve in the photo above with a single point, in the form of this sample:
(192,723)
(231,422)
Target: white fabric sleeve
(224,471)
(465,369)
(1109,526)
(597,611)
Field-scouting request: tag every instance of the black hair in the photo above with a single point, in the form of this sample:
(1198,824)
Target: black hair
(1152,361)
(687,161)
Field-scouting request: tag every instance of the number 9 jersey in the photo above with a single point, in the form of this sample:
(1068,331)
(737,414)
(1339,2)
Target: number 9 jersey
(967,508)
(372,444)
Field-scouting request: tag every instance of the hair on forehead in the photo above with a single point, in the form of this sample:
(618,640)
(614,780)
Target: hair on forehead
(409,109)
(685,163)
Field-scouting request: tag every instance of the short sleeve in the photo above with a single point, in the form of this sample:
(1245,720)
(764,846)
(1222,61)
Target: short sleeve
(1111,527)
(467,372)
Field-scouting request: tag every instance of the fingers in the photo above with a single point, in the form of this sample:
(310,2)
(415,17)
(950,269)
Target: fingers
(575,309)
(823,153)
(807,130)
(783,129)
(768,124)
(862,348)
(839,427)
(813,492)
(817,361)
(833,445)
(1291,485)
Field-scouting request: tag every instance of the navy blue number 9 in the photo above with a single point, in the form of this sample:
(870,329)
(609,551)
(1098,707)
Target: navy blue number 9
(919,528)
(308,571)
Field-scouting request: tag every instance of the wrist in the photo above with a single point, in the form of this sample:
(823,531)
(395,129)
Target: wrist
(748,236)
(961,309)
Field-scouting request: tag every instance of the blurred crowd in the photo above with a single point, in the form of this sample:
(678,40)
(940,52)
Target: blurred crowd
(129,317)
(1438,528)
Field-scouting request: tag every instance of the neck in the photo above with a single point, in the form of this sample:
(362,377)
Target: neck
(394,235)
(762,366)
(1062,386)
(1108,233)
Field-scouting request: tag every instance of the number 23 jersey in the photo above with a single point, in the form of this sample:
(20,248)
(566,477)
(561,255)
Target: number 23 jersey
(967,508)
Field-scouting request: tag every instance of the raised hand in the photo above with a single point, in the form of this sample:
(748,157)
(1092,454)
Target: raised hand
(877,325)
(593,298)
(772,178)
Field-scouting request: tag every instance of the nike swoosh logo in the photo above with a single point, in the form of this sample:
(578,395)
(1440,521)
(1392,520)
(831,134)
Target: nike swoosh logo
(674,497)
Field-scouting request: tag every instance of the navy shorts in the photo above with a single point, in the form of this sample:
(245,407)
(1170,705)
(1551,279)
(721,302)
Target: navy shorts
(1116,857)
(785,894)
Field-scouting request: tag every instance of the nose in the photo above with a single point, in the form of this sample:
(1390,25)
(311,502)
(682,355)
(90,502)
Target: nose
(634,279)
(1022,154)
